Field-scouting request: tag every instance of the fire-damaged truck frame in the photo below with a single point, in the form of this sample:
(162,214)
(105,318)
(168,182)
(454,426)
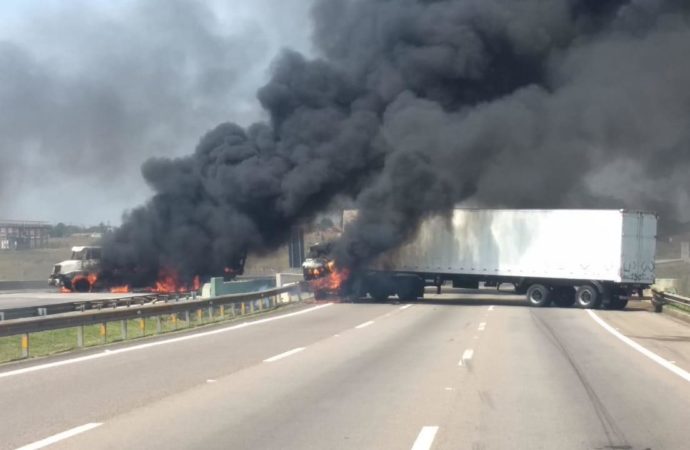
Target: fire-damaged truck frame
(84,272)
(591,258)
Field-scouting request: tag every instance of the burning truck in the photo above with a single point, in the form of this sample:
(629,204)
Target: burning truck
(589,258)
(84,272)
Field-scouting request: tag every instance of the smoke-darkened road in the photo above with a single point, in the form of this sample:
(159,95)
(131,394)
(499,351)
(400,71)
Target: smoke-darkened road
(492,375)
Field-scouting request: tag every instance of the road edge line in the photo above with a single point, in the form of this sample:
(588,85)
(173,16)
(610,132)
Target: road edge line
(648,353)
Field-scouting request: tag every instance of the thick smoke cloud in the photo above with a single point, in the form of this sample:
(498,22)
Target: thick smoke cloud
(416,106)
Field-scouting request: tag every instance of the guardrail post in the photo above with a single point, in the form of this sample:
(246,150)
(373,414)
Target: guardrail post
(25,345)
(142,326)
(199,315)
(222,312)
(210,311)
(242,309)
(657,301)
(80,336)
(261,304)
(104,332)
(159,327)
(123,329)
(173,317)
(186,317)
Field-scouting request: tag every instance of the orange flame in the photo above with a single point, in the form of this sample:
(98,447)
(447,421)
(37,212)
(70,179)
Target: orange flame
(91,278)
(169,282)
(64,290)
(333,281)
(120,289)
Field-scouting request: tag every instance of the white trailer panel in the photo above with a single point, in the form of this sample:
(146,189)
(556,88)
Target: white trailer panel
(606,245)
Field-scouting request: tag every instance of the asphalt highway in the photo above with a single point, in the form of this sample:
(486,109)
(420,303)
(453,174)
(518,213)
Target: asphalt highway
(453,372)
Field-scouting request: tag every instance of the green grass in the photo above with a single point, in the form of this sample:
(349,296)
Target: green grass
(57,341)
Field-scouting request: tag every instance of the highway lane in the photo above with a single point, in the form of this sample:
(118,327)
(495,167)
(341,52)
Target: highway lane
(373,376)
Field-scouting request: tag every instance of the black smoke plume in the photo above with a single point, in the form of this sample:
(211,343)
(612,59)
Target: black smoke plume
(416,106)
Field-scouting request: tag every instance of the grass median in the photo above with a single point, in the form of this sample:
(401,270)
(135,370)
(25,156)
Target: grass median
(46,343)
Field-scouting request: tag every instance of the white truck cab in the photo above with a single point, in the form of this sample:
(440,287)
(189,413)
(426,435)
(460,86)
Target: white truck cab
(84,260)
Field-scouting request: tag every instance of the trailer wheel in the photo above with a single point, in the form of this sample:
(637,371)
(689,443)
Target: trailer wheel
(564,296)
(538,295)
(588,296)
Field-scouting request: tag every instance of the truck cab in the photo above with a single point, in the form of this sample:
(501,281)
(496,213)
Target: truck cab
(84,260)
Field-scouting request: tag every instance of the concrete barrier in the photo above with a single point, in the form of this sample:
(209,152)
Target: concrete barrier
(217,286)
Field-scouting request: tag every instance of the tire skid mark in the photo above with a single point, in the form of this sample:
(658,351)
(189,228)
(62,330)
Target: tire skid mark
(614,435)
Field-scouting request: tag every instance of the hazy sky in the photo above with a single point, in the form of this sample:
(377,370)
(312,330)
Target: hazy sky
(91,89)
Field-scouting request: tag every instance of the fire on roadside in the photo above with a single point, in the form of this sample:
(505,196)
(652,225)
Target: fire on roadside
(120,289)
(169,282)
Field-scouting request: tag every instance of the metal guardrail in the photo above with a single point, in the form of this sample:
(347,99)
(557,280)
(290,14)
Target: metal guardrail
(83,305)
(210,307)
(659,299)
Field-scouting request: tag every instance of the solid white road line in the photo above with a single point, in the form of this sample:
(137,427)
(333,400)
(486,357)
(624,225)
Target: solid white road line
(425,438)
(285,354)
(405,307)
(365,324)
(466,356)
(649,354)
(188,337)
(60,436)
(482,326)
(491,308)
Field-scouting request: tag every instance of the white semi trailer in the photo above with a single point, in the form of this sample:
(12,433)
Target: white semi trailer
(588,257)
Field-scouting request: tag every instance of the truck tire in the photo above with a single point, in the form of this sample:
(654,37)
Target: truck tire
(588,296)
(380,287)
(409,288)
(618,303)
(378,294)
(538,295)
(81,285)
(564,296)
